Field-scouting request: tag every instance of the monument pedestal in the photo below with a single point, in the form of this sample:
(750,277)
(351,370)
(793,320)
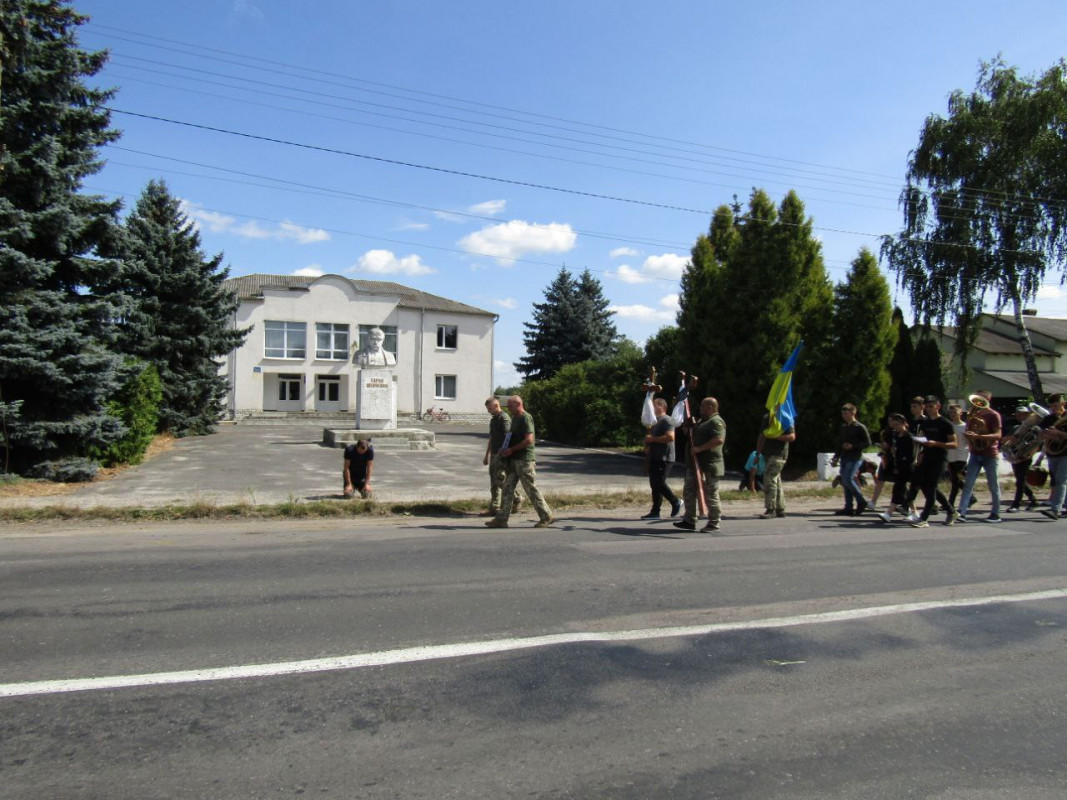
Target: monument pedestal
(376,399)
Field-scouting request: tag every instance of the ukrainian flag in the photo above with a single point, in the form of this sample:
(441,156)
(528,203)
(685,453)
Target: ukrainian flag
(780,408)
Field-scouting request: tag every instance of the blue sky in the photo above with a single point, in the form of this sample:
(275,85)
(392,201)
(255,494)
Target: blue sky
(471,149)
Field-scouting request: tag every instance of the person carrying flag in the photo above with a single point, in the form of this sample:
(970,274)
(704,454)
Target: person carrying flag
(777,430)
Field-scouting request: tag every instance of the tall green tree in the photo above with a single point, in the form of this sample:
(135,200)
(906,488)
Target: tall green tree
(57,368)
(180,319)
(863,339)
(927,372)
(600,336)
(572,325)
(902,385)
(984,217)
(754,286)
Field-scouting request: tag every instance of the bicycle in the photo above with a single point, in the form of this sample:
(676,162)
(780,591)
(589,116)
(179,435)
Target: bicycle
(433,415)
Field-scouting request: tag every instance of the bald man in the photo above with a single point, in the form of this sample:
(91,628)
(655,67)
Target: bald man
(519,466)
(706,442)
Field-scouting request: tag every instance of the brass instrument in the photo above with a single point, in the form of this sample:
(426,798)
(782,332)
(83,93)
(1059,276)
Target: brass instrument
(1057,447)
(976,426)
(1026,440)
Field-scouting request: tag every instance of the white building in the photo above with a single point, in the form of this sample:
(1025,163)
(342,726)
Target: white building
(304,332)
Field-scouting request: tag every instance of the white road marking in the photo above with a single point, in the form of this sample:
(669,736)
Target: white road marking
(442,651)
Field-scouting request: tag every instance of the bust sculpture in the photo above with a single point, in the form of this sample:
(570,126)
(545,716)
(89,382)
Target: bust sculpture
(373,354)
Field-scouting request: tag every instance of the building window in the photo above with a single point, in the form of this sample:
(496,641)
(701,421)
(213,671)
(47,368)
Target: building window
(285,339)
(447,337)
(331,341)
(444,387)
(389,345)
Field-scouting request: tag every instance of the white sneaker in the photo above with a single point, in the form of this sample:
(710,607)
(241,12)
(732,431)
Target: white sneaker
(884,516)
(913,517)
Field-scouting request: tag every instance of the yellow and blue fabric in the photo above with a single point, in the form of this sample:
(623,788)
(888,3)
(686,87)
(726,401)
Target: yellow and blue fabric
(780,409)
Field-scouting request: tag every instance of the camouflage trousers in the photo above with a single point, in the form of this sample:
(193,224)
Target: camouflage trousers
(524,472)
(711,495)
(497,476)
(773,500)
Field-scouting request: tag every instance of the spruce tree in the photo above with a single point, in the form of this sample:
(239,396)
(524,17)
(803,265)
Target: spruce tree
(599,335)
(180,317)
(57,369)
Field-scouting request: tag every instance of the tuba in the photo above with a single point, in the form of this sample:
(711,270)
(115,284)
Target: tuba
(1026,440)
(1057,447)
(977,425)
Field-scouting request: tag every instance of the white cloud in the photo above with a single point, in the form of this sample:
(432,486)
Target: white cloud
(670,301)
(448,216)
(628,274)
(643,313)
(310,271)
(511,240)
(1049,291)
(221,223)
(385,262)
(413,226)
(668,265)
(620,252)
(201,217)
(302,235)
(490,208)
(506,302)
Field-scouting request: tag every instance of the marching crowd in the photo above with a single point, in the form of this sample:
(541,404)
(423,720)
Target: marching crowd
(914,453)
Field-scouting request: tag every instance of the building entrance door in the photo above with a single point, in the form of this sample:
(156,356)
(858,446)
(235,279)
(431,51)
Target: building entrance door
(290,393)
(327,393)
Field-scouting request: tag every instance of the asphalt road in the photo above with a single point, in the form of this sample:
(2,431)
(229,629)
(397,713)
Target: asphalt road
(850,660)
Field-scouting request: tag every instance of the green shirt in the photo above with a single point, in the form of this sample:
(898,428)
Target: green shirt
(711,460)
(499,424)
(520,426)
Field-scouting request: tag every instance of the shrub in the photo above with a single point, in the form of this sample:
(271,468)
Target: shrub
(66,470)
(137,407)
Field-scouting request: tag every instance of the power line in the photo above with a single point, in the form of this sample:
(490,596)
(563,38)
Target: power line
(784,180)
(322,191)
(972,192)
(349,81)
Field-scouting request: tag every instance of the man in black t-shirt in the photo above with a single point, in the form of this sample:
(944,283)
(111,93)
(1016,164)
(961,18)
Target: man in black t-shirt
(358,466)
(936,437)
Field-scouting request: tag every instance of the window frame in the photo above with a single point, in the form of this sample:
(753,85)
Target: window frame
(333,330)
(443,337)
(288,329)
(439,387)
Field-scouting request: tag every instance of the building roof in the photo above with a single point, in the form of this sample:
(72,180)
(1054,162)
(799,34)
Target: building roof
(1053,327)
(990,341)
(250,287)
(1051,383)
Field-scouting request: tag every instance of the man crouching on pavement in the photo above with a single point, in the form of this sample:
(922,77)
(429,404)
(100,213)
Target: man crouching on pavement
(706,443)
(359,464)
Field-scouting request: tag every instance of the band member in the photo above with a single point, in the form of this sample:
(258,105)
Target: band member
(936,437)
(1021,466)
(983,440)
(1054,437)
(957,456)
